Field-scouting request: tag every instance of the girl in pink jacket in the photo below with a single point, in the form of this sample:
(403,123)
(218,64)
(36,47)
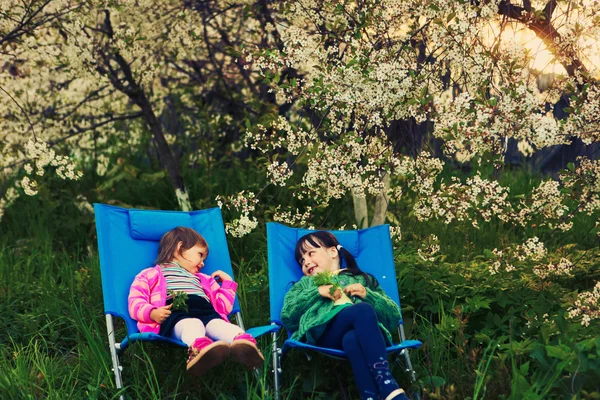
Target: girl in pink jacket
(204,326)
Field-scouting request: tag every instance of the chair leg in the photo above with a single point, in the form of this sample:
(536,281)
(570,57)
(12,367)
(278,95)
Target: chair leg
(116,366)
(238,319)
(408,363)
(276,366)
(409,367)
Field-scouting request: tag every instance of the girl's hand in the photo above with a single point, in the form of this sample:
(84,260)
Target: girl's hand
(356,289)
(324,292)
(159,315)
(221,276)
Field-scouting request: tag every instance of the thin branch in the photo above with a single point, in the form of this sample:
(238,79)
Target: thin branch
(78,130)
(544,30)
(22,110)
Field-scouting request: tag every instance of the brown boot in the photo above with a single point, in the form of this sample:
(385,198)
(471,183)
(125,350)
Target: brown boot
(205,354)
(244,351)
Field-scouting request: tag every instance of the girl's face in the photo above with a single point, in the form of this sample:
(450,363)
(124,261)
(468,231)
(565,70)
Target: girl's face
(319,259)
(192,259)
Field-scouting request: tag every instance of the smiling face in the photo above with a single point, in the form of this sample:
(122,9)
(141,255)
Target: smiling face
(318,259)
(192,259)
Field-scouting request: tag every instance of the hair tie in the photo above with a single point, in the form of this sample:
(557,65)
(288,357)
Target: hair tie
(339,247)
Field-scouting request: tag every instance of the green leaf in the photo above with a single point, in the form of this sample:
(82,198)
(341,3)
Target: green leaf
(153,177)
(322,278)
(556,352)
(519,386)
(524,369)
(352,62)
(476,303)
(433,382)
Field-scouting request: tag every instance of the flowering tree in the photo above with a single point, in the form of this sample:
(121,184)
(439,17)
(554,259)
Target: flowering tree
(366,65)
(91,77)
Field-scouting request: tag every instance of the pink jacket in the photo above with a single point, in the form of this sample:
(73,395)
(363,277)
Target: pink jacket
(149,291)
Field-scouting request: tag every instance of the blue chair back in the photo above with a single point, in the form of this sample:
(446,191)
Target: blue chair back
(128,243)
(371,247)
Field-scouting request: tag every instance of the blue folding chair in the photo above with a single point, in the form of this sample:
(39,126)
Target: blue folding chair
(372,248)
(128,242)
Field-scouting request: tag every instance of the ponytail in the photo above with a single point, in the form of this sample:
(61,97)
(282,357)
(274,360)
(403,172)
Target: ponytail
(353,269)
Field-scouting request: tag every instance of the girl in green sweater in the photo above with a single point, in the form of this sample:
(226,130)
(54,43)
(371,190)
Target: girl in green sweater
(359,325)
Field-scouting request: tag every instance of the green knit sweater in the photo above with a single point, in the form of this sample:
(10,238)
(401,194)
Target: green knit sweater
(305,312)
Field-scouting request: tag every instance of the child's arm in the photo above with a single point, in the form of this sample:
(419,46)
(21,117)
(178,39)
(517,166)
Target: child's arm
(387,310)
(139,299)
(224,294)
(297,301)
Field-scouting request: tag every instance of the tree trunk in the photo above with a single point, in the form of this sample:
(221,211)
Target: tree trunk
(361,213)
(381,203)
(135,92)
(164,152)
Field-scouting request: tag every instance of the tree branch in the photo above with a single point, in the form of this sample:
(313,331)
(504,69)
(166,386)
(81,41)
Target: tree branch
(544,29)
(78,130)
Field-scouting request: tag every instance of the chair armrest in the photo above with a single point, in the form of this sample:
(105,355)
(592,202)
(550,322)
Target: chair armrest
(261,330)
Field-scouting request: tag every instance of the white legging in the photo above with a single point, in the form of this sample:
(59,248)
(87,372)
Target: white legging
(189,329)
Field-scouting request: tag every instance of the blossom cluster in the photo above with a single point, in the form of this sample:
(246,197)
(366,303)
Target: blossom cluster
(533,249)
(42,156)
(584,184)
(500,262)
(292,218)
(584,121)
(421,173)
(279,173)
(352,164)
(430,248)
(396,234)
(68,77)
(476,198)
(9,197)
(548,202)
(587,306)
(553,203)
(563,268)
(242,204)
(349,79)
(280,135)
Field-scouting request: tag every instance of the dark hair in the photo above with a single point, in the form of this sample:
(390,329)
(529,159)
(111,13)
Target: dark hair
(168,243)
(327,240)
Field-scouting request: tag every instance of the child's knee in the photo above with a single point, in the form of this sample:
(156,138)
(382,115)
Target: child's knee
(350,341)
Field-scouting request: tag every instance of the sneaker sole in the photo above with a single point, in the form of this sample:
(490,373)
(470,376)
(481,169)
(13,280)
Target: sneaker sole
(212,355)
(246,353)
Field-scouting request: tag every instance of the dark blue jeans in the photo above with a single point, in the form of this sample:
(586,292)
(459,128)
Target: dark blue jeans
(355,330)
